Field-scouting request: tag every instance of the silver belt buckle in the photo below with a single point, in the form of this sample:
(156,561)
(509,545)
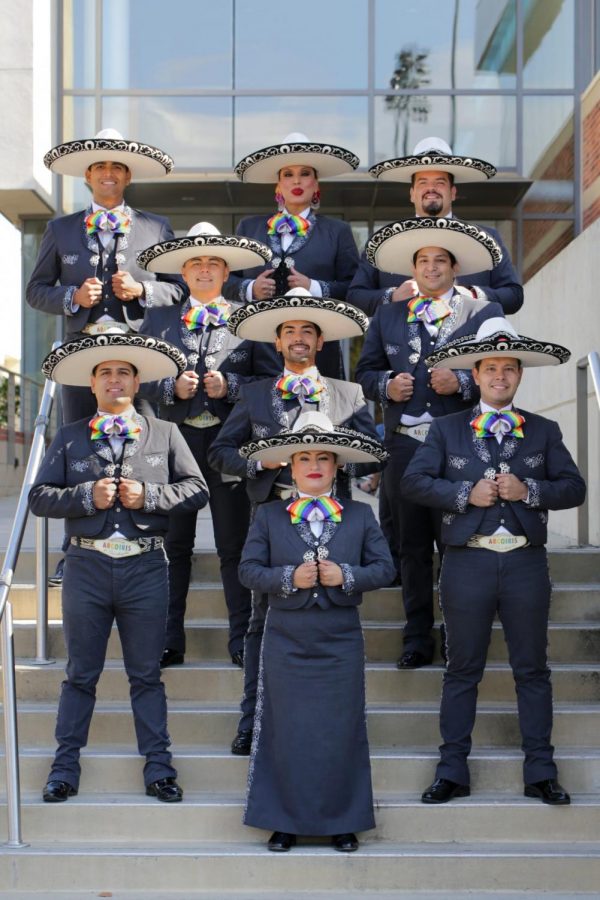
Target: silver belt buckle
(204,420)
(499,543)
(116,548)
(418,432)
(111,327)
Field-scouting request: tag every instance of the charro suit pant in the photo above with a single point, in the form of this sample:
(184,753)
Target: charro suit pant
(476,584)
(97,591)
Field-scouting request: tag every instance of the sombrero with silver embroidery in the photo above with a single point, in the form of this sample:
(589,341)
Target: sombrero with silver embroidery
(75,157)
(392,248)
(204,239)
(258,321)
(314,431)
(433,154)
(497,337)
(263,166)
(73,362)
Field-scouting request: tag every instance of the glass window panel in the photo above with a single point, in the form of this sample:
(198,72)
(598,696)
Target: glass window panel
(445,43)
(79,40)
(79,121)
(543,239)
(195,131)
(301,46)
(548,153)
(184,45)
(480,126)
(548,44)
(262,121)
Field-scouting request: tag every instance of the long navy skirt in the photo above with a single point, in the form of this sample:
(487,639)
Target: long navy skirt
(309,770)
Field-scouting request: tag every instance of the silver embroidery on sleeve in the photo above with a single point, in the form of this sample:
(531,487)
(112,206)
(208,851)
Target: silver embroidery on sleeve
(233,387)
(168,391)
(251,468)
(535,496)
(68,300)
(325,290)
(387,295)
(260,431)
(448,518)
(543,516)
(150,497)
(287,579)
(148,293)
(457,462)
(462,498)
(238,356)
(382,382)
(88,498)
(465,385)
(349,580)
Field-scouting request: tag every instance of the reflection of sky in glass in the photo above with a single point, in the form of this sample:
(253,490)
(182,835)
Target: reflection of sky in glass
(150,44)
(78,122)
(262,121)
(195,131)
(313,44)
(79,57)
(427,26)
(544,119)
(548,44)
(484,127)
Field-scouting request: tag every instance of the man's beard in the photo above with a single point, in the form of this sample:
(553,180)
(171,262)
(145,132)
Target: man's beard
(433,207)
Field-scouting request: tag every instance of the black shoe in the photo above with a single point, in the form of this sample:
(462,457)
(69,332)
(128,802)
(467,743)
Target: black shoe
(443,790)
(171,657)
(412,659)
(281,841)
(58,792)
(56,580)
(345,843)
(548,791)
(237,658)
(242,742)
(165,789)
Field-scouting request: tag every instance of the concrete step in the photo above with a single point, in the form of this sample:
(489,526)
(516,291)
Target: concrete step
(218,682)
(149,894)
(218,818)
(570,603)
(213,725)
(205,640)
(405,771)
(541,866)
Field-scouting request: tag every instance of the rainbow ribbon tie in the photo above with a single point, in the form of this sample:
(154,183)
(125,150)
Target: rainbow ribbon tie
(114,426)
(427,310)
(490,424)
(208,314)
(303,387)
(315,509)
(285,223)
(107,220)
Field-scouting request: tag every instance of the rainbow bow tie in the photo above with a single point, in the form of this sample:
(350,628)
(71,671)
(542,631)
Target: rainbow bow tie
(114,426)
(285,223)
(305,388)
(208,314)
(427,310)
(106,220)
(315,509)
(490,424)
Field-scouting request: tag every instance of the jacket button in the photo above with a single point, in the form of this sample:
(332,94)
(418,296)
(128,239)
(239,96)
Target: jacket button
(502,521)
(428,404)
(315,594)
(503,503)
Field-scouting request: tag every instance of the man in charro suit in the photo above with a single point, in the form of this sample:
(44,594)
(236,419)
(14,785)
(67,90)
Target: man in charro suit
(300,324)
(494,471)
(199,402)
(392,371)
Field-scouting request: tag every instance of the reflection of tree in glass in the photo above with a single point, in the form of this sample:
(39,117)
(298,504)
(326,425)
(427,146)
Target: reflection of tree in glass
(411,73)
(4,401)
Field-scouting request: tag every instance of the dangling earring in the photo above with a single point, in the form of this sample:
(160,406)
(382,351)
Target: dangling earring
(295,493)
(334,487)
(279,201)
(315,200)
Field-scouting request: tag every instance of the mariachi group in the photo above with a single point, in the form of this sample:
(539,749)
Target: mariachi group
(208,369)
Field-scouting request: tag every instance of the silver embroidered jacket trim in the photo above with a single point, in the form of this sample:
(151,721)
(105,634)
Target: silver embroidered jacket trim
(68,301)
(251,468)
(462,498)
(287,580)
(150,497)
(148,295)
(349,580)
(87,498)
(387,295)
(382,383)
(465,385)
(168,391)
(535,494)
(325,289)
(233,387)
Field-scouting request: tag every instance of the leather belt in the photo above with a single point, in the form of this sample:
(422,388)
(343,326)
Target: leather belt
(204,420)
(106,328)
(119,547)
(418,432)
(499,543)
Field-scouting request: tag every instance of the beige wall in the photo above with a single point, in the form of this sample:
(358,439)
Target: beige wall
(561,305)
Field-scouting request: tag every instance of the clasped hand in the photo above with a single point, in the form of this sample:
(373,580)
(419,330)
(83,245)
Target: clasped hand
(324,572)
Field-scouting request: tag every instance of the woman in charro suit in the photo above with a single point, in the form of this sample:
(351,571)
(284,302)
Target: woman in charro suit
(310,250)
(309,770)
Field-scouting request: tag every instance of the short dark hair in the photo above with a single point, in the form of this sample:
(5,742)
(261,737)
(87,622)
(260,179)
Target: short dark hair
(314,324)
(135,371)
(450,254)
(414,175)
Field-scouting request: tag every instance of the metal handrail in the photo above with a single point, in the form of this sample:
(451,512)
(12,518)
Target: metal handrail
(591,362)
(36,454)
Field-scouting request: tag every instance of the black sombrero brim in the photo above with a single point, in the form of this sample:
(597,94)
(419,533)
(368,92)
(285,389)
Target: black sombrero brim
(391,248)
(349,446)
(258,321)
(73,362)
(462,168)
(263,166)
(75,157)
(463,353)
(238,252)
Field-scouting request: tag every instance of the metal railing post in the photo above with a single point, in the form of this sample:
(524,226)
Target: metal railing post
(9,696)
(591,361)
(41,578)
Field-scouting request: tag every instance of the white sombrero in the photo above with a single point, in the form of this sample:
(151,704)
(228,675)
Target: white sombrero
(263,166)
(203,239)
(436,155)
(314,431)
(497,337)
(392,248)
(75,157)
(259,320)
(73,363)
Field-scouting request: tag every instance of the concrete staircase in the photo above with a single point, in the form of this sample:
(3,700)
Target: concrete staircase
(492,844)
